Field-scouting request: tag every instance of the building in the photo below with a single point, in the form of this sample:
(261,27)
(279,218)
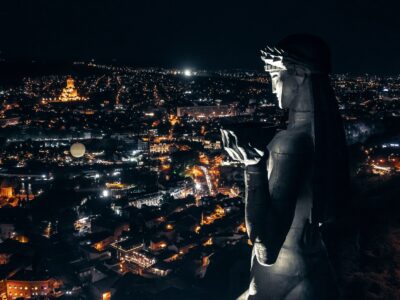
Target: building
(160,148)
(154,199)
(7,192)
(4,122)
(206,112)
(7,189)
(68,94)
(28,284)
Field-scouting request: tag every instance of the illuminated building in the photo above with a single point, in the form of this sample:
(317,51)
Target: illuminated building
(140,258)
(208,242)
(218,213)
(159,148)
(160,269)
(68,94)
(212,145)
(135,259)
(7,192)
(27,285)
(173,120)
(4,122)
(233,191)
(127,247)
(206,112)
(23,239)
(157,244)
(83,225)
(153,199)
(6,189)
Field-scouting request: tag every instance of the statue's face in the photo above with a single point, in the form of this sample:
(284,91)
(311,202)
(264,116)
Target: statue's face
(277,86)
(285,86)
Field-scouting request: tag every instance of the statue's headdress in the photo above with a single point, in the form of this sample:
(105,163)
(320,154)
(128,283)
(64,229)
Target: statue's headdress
(297,50)
(273,59)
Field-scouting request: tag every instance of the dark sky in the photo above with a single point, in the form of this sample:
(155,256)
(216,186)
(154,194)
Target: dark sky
(364,35)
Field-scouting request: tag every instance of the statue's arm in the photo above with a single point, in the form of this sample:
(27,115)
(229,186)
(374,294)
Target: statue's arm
(271,200)
(256,210)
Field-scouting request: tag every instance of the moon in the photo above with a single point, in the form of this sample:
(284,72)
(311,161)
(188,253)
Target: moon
(77,150)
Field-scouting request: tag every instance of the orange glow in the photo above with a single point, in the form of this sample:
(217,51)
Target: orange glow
(7,192)
(196,172)
(242,228)
(99,246)
(173,120)
(209,242)
(159,148)
(166,167)
(115,185)
(106,296)
(218,160)
(205,261)
(22,239)
(169,226)
(211,173)
(197,229)
(218,213)
(159,139)
(172,258)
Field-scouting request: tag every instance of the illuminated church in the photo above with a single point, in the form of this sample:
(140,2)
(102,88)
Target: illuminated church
(68,94)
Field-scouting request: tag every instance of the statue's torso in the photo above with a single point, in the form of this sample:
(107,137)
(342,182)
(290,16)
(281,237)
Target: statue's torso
(292,145)
(301,259)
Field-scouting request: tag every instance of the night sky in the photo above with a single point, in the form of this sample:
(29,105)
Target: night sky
(364,35)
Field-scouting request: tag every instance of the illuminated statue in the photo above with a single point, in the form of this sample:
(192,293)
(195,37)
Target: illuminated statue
(294,187)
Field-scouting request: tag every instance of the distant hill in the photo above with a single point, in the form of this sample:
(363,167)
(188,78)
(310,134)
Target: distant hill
(12,72)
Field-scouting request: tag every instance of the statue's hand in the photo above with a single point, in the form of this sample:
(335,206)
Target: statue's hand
(260,251)
(243,153)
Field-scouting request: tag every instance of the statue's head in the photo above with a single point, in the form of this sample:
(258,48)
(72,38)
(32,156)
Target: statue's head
(292,61)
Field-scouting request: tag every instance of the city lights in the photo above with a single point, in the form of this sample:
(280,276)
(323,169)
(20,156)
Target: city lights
(144,183)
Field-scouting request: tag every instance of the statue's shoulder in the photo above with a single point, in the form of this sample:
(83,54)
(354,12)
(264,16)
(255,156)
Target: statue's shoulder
(291,142)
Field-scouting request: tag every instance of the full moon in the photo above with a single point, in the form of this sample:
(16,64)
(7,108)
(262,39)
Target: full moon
(77,150)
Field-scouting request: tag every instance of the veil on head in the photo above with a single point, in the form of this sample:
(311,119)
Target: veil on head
(330,169)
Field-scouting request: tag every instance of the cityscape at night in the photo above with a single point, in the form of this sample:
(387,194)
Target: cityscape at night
(115,180)
(149,195)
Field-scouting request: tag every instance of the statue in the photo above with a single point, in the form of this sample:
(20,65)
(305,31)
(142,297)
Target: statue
(297,185)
